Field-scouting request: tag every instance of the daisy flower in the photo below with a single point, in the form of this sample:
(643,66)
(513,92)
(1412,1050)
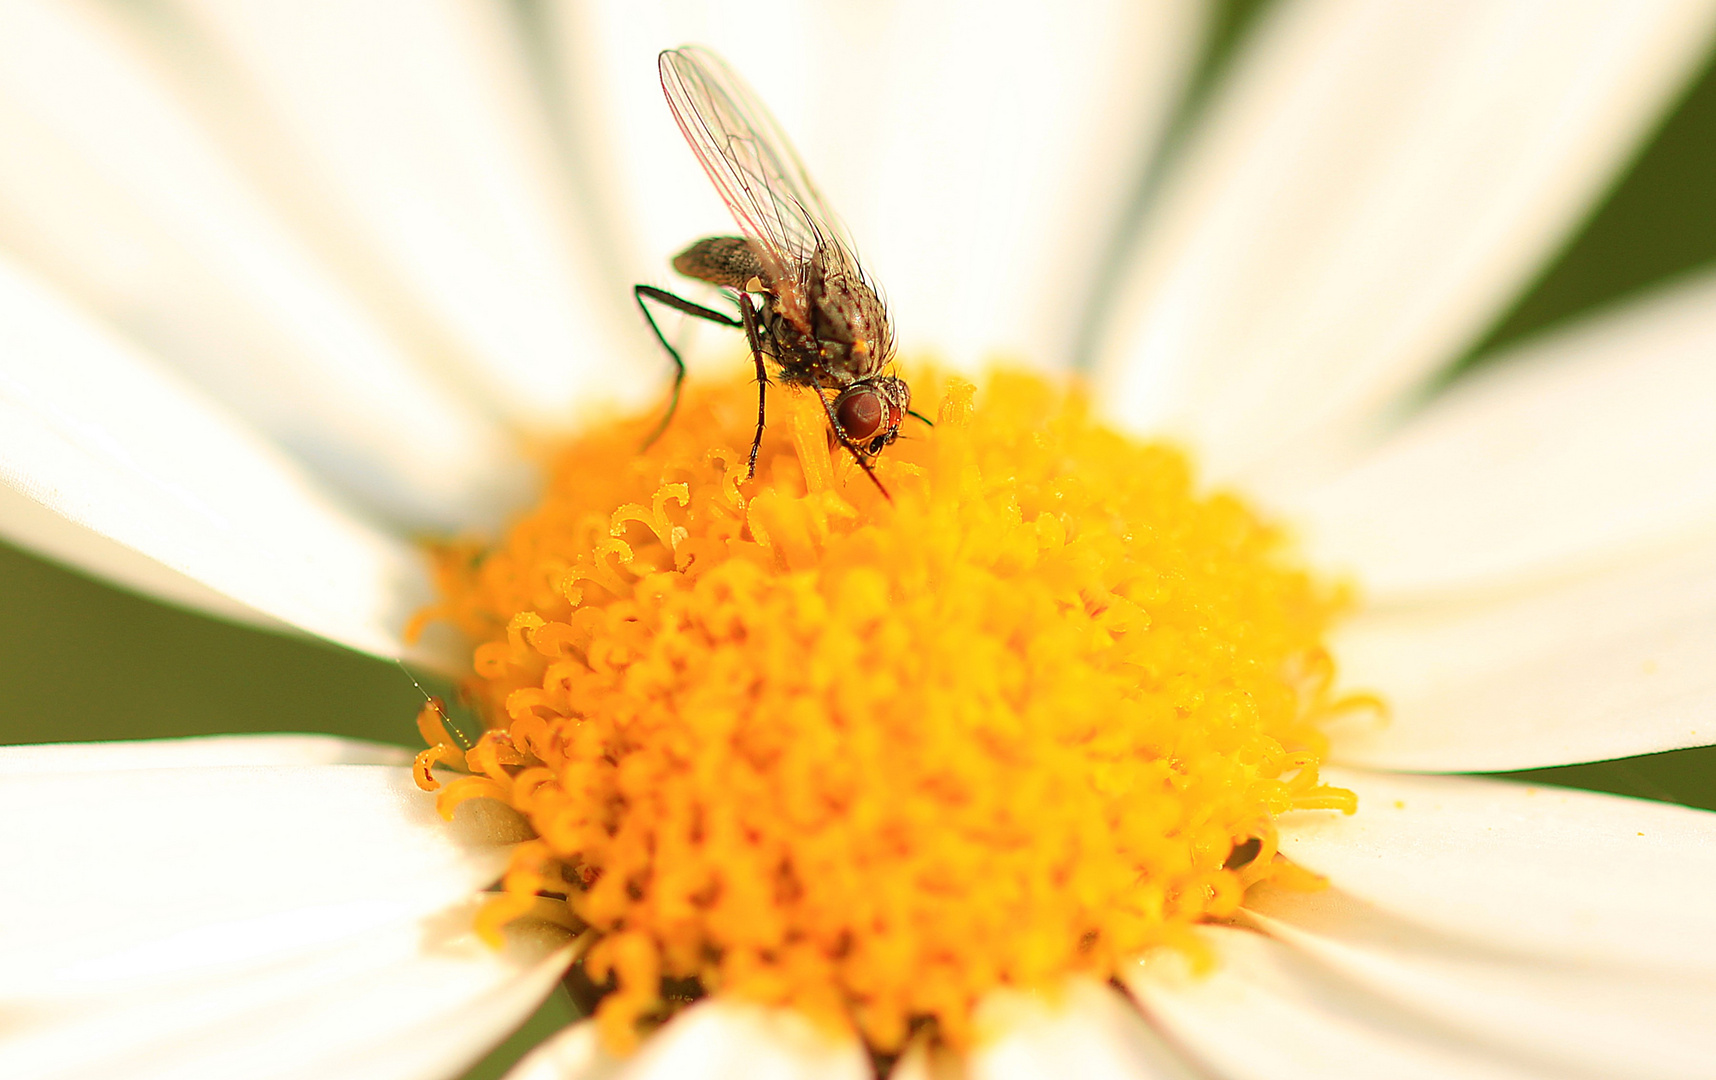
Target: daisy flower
(287,288)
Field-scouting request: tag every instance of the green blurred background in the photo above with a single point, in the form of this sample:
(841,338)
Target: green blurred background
(80,660)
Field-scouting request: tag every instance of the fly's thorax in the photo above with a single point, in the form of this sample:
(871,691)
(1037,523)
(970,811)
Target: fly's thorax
(848,320)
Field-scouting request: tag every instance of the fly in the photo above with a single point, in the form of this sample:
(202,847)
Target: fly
(802,299)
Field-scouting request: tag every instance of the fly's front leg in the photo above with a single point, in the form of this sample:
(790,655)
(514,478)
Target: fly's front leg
(680,304)
(753,335)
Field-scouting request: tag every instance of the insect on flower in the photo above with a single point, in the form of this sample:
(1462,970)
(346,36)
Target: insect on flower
(802,298)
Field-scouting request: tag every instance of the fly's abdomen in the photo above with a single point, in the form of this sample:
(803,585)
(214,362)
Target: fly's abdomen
(722,260)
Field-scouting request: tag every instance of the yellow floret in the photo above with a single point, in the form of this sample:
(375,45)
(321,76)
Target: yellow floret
(875,759)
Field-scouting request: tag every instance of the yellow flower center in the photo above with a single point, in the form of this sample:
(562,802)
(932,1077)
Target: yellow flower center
(873,759)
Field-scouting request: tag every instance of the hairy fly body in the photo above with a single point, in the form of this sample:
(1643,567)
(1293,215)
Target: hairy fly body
(802,299)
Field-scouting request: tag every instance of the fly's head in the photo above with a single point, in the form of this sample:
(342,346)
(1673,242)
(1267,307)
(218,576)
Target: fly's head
(871,411)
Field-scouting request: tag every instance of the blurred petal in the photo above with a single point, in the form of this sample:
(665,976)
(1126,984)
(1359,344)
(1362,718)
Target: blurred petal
(97,433)
(452,1016)
(1567,877)
(33,526)
(922,1061)
(407,138)
(110,188)
(996,170)
(415,1002)
(1264,1012)
(203,751)
(1373,185)
(1601,666)
(573,1053)
(145,879)
(1091,1033)
(713,1040)
(982,179)
(1590,446)
(1575,1018)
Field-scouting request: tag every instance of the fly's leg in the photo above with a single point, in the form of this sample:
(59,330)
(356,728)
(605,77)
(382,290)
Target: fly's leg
(680,304)
(754,337)
(857,454)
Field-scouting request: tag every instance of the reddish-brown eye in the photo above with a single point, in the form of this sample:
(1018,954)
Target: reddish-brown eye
(860,412)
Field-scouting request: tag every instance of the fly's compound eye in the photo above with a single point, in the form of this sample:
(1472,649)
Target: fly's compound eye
(861,414)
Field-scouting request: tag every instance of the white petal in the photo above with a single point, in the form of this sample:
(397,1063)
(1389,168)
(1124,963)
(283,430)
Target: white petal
(712,1040)
(1090,1033)
(110,188)
(142,878)
(407,138)
(200,752)
(573,1053)
(423,1000)
(1265,1013)
(1568,876)
(921,1061)
(1003,148)
(1601,666)
(719,1040)
(1374,184)
(99,434)
(35,527)
(454,1018)
(1592,445)
(981,159)
(1575,1018)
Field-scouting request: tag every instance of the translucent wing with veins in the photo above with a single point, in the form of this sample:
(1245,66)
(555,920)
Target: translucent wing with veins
(754,167)
(803,300)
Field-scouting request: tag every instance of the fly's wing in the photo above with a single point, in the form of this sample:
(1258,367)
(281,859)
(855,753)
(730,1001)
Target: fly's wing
(753,166)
